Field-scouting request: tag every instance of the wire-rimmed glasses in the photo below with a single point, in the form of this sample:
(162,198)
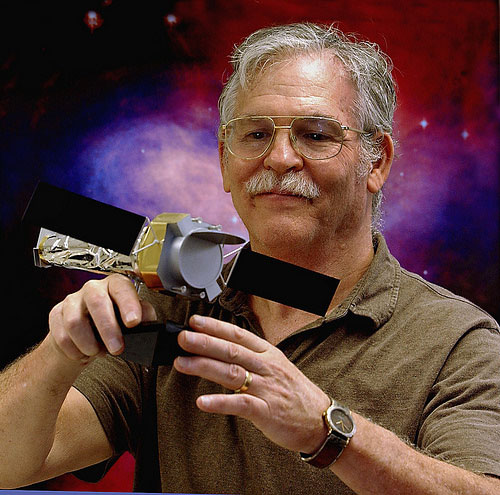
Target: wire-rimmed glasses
(315,138)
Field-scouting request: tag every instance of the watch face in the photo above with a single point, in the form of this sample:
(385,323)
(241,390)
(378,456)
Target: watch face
(341,421)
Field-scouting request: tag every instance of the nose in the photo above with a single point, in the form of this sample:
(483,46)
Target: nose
(282,156)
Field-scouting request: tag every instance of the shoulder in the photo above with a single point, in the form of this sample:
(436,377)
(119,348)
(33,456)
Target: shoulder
(398,299)
(432,302)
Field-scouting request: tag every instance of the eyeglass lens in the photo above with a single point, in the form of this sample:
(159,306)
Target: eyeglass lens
(315,138)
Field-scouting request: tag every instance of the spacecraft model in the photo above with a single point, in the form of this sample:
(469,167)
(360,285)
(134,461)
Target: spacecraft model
(173,253)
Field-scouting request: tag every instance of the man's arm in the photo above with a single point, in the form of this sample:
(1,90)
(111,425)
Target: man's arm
(377,461)
(47,427)
(287,408)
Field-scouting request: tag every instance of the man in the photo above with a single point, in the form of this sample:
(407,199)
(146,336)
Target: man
(305,147)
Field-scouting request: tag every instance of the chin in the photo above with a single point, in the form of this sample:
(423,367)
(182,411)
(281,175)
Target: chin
(281,236)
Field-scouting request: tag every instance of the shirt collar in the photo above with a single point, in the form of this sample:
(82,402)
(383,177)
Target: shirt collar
(376,293)
(373,297)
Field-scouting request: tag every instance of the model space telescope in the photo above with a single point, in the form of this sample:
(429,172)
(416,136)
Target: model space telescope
(174,253)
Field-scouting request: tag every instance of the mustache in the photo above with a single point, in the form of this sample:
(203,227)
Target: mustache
(295,183)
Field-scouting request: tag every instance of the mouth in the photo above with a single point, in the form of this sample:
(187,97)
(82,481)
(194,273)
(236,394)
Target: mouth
(283,194)
(279,192)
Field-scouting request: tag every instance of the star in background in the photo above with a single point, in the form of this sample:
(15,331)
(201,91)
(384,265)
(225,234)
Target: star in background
(170,20)
(424,123)
(93,20)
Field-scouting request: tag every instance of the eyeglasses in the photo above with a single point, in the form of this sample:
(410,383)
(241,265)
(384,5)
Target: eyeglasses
(315,138)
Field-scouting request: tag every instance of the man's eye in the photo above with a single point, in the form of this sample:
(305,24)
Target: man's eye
(256,135)
(317,136)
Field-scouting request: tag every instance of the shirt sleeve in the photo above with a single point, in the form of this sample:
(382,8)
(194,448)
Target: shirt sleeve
(114,388)
(461,420)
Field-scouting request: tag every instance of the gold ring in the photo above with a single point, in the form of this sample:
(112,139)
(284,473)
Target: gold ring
(246,383)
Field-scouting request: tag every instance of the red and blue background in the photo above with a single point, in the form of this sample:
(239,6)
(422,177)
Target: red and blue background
(121,106)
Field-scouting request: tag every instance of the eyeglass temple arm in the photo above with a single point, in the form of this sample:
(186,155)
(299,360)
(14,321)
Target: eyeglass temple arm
(359,131)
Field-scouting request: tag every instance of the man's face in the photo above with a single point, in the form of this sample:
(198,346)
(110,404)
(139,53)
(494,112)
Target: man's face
(307,85)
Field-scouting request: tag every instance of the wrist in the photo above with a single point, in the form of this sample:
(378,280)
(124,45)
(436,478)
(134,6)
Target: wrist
(318,431)
(340,428)
(57,365)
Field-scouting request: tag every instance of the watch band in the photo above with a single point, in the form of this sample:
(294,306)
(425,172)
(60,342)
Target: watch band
(327,454)
(332,447)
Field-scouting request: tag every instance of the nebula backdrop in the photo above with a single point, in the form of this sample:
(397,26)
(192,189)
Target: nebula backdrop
(117,100)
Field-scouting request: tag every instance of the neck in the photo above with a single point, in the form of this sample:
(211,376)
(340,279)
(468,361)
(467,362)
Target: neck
(347,261)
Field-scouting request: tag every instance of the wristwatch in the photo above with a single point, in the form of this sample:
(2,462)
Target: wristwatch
(341,428)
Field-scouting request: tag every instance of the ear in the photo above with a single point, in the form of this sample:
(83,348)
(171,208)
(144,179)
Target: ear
(224,166)
(381,168)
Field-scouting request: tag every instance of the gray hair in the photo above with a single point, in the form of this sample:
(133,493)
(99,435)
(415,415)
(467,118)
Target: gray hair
(367,66)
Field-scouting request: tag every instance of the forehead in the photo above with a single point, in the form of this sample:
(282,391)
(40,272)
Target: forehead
(307,84)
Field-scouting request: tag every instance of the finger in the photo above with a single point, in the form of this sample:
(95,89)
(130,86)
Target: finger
(123,293)
(97,301)
(148,311)
(77,326)
(61,337)
(221,350)
(228,331)
(244,405)
(229,375)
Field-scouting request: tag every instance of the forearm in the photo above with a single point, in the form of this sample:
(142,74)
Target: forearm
(377,461)
(32,391)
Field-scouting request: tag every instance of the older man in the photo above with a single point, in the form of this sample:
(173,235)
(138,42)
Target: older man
(395,390)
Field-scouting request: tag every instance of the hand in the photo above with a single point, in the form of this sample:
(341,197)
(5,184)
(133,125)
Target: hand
(69,321)
(280,401)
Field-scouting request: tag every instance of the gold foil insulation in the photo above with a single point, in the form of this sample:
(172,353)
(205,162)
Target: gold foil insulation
(149,248)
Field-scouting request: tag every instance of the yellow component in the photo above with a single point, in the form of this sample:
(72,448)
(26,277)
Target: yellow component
(149,253)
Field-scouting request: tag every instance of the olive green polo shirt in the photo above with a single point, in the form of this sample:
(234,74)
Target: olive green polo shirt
(407,354)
